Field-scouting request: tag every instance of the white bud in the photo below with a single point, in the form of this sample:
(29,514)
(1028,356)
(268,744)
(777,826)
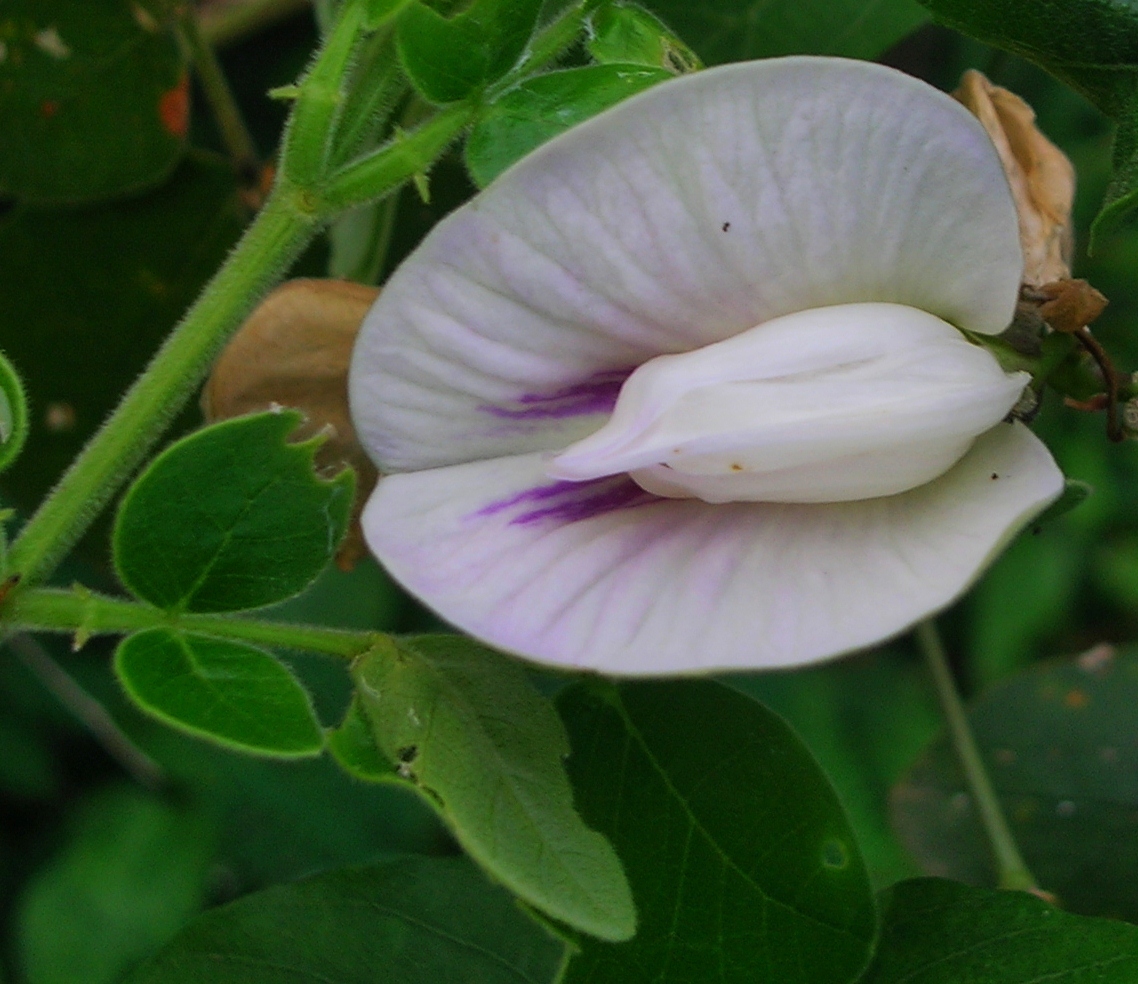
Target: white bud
(832,404)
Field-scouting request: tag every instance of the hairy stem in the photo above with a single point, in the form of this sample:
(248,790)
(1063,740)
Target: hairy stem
(1011,869)
(277,236)
(83,614)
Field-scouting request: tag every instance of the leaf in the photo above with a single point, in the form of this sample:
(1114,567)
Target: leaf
(449,59)
(13,413)
(734,30)
(939,932)
(94,99)
(224,691)
(1008,622)
(293,351)
(1075,493)
(626,34)
(353,747)
(463,723)
(1059,741)
(231,517)
(1089,44)
(865,718)
(542,107)
(742,863)
(131,872)
(72,301)
(409,921)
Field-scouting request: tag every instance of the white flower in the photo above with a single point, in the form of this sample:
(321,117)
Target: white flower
(769,263)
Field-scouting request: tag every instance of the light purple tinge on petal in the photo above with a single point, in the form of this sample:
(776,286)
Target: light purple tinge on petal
(601,575)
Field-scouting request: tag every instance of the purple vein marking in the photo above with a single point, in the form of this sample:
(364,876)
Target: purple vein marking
(568,502)
(597,394)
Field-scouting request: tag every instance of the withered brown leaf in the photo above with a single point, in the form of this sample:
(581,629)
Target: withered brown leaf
(1042,179)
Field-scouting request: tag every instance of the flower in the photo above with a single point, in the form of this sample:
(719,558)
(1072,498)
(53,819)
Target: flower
(684,389)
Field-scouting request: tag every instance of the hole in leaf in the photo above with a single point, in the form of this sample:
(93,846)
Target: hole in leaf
(835,855)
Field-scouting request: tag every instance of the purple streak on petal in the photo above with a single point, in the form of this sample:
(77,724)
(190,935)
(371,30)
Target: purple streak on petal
(568,502)
(597,394)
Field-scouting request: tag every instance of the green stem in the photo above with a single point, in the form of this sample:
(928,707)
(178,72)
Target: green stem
(556,38)
(1012,871)
(85,614)
(408,154)
(223,24)
(306,145)
(234,134)
(276,237)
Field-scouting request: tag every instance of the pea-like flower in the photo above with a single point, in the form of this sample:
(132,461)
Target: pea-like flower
(686,389)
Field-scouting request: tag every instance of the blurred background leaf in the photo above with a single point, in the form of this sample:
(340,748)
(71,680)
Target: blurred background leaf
(131,871)
(1059,742)
(94,98)
(734,30)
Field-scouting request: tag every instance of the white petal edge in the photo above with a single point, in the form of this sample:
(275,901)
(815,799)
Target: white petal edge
(683,216)
(682,587)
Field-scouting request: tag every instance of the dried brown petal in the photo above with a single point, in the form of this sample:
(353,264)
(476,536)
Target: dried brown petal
(1042,179)
(1069,305)
(293,351)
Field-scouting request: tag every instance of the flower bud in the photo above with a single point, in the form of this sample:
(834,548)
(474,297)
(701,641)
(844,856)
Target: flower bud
(833,404)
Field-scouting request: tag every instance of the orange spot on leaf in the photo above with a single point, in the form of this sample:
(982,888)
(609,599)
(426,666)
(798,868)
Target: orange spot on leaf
(48,108)
(174,108)
(1076,699)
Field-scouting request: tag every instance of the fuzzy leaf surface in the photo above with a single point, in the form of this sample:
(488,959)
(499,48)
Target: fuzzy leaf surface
(230,693)
(463,724)
(231,517)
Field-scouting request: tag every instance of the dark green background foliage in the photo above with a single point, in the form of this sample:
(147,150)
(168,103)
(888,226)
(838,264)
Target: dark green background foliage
(177,820)
(94,98)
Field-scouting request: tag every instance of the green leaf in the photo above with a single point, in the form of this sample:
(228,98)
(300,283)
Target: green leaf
(865,718)
(1075,493)
(1089,44)
(1122,193)
(353,747)
(13,413)
(1092,45)
(230,517)
(742,863)
(72,301)
(450,59)
(627,34)
(228,692)
(734,30)
(542,107)
(409,921)
(939,932)
(1026,596)
(1059,742)
(130,873)
(94,99)
(464,725)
